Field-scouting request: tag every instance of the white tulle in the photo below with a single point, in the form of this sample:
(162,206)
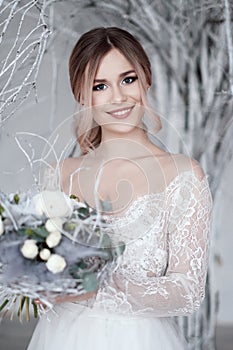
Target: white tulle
(162,273)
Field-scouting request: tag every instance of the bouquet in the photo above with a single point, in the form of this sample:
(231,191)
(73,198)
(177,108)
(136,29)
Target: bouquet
(50,245)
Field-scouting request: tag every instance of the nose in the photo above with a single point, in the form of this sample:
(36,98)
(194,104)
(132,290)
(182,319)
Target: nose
(118,94)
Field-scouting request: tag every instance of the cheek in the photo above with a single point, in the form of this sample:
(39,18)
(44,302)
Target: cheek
(135,93)
(94,99)
(98,115)
(99,98)
(137,97)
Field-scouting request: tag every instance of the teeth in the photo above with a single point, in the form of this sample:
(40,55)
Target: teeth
(122,112)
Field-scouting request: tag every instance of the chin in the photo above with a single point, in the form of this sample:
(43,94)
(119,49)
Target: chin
(120,128)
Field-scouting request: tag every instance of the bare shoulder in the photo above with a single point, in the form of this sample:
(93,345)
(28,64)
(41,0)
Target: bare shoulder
(69,168)
(176,163)
(69,165)
(186,163)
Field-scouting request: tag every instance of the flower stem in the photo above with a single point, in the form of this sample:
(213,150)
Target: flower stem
(27,309)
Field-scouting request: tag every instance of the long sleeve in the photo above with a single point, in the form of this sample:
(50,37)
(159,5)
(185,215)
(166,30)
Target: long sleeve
(167,276)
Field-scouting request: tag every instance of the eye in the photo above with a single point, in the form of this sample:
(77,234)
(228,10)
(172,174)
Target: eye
(99,87)
(129,80)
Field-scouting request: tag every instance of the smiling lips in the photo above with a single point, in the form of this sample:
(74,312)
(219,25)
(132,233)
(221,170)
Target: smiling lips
(121,113)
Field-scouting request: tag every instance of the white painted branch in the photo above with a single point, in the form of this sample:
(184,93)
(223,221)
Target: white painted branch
(9,18)
(20,65)
(229,43)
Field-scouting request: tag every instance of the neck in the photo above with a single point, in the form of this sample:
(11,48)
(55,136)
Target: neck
(124,145)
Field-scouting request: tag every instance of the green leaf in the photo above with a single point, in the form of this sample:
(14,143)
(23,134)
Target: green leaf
(69,226)
(82,265)
(83,212)
(119,250)
(90,282)
(41,231)
(4,304)
(16,198)
(106,205)
(24,232)
(1,209)
(20,310)
(74,273)
(28,231)
(73,196)
(38,233)
(76,270)
(35,309)
(105,241)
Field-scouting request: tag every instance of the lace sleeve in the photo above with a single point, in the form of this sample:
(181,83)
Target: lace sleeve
(180,287)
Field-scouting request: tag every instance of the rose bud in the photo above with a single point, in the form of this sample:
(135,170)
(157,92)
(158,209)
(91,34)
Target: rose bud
(29,249)
(53,239)
(53,204)
(45,254)
(54,224)
(56,263)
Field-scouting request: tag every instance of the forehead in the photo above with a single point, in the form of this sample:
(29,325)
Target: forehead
(113,63)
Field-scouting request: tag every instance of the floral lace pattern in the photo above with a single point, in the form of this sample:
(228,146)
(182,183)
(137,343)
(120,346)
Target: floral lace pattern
(163,269)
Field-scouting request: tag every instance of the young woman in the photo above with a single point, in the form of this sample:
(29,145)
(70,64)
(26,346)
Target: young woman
(160,206)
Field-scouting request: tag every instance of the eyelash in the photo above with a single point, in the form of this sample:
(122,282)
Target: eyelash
(95,88)
(134,78)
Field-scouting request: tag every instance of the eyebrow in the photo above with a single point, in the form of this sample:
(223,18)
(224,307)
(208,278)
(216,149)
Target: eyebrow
(121,76)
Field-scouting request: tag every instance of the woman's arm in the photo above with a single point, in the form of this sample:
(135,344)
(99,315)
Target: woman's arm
(68,298)
(182,289)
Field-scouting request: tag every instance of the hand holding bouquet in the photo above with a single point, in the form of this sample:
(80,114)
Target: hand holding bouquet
(51,245)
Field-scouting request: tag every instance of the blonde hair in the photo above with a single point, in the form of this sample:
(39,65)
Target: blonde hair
(83,64)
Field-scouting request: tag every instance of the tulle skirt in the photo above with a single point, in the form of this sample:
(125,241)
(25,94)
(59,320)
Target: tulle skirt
(75,327)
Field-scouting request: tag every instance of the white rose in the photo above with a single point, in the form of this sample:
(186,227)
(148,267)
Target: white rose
(45,254)
(38,204)
(56,263)
(54,224)
(29,249)
(53,239)
(1,226)
(53,204)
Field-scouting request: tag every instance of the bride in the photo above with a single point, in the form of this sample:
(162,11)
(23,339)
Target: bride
(157,202)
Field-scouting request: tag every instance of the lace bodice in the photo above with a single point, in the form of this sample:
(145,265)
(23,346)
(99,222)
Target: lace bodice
(163,269)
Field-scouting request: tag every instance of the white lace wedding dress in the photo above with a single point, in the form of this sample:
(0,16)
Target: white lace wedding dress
(161,274)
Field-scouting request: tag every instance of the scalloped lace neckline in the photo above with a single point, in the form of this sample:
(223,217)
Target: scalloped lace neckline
(147,196)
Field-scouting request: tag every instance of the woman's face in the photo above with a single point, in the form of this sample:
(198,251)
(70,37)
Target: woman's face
(116,94)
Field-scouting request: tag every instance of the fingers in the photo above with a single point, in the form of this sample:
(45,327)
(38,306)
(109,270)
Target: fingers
(67,298)
(37,301)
